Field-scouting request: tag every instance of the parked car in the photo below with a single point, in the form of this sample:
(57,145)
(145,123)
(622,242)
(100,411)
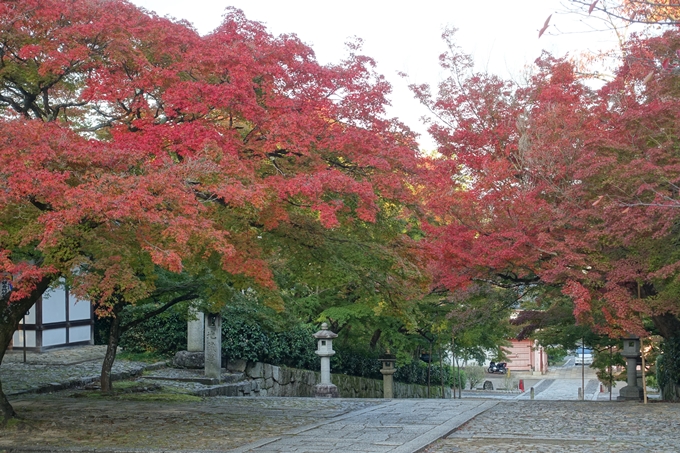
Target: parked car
(583,356)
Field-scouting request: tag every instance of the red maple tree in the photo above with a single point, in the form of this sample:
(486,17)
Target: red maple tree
(557,183)
(129,141)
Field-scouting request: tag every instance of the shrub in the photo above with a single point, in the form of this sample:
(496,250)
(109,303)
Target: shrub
(475,375)
(668,369)
(357,362)
(295,348)
(416,373)
(164,334)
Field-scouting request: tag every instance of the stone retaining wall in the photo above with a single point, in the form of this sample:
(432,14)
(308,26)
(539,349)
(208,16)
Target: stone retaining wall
(270,380)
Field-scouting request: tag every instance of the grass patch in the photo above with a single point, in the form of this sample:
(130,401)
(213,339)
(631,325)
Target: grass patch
(131,390)
(9,423)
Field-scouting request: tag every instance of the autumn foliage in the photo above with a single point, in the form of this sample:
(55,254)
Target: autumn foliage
(558,183)
(129,142)
(122,131)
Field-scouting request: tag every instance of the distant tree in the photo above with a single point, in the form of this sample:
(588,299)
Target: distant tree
(554,183)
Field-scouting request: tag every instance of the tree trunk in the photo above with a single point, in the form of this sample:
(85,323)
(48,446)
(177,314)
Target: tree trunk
(110,357)
(667,324)
(374,339)
(6,332)
(10,315)
(429,370)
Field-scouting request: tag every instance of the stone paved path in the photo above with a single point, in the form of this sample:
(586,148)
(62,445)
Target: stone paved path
(552,427)
(397,426)
(59,369)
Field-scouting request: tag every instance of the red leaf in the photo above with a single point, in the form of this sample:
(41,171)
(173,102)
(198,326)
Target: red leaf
(592,6)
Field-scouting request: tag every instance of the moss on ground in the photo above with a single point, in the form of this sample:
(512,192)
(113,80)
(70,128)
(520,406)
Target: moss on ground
(136,391)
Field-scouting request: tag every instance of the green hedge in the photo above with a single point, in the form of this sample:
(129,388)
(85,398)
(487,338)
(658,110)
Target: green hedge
(416,373)
(248,335)
(668,369)
(164,334)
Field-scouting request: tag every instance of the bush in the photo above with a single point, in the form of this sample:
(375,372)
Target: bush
(475,375)
(668,369)
(416,373)
(295,348)
(357,362)
(164,334)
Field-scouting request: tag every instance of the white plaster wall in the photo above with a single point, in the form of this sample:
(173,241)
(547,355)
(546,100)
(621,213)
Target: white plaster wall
(53,337)
(80,333)
(54,306)
(18,339)
(78,309)
(30,317)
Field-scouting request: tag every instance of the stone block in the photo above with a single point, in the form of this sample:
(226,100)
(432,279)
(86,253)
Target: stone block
(245,388)
(326,391)
(284,377)
(268,383)
(267,371)
(276,373)
(238,366)
(186,359)
(255,370)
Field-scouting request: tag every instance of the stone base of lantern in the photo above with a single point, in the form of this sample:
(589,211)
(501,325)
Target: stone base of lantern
(631,393)
(326,391)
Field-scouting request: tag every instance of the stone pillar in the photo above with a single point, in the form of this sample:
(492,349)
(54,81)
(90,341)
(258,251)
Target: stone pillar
(195,330)
(213,345)
(325,389)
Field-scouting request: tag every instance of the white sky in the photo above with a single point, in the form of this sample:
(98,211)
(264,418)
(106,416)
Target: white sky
(502,35)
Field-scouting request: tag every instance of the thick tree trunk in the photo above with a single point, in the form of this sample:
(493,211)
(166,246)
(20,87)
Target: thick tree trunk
(6,332)
(10,315)
(110,357)
(667,324)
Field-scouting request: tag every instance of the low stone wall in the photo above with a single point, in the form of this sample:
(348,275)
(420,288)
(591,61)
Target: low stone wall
(270,380)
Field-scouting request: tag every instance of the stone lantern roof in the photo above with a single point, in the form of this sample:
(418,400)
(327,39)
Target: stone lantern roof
(324,333)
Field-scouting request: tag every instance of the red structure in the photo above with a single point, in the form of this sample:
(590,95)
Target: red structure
(526,355)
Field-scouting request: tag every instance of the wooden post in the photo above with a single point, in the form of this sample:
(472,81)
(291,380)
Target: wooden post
(644,374)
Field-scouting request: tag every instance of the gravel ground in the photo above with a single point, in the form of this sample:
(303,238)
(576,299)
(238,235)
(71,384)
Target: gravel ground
(65,420)
(549,426)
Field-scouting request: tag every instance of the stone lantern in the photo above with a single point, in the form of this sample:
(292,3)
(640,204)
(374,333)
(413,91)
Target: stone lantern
(325,389)
(631,351)
(387,370)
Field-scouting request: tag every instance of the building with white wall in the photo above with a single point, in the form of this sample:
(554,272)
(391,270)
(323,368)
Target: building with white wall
(57,320)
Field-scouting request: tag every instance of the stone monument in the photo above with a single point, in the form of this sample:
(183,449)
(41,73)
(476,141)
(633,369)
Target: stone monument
(195,330)
(213,345)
